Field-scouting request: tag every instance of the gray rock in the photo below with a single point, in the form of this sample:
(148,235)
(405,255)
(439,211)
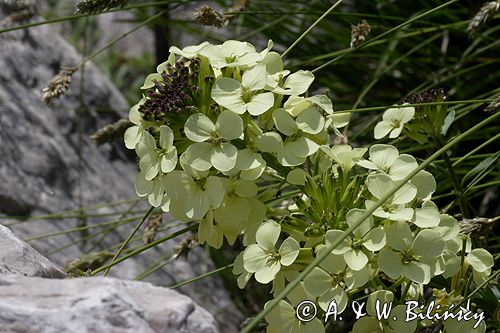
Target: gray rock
(97,305)
(17,257)
(39,162)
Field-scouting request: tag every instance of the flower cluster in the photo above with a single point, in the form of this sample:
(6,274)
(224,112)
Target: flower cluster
(228,138)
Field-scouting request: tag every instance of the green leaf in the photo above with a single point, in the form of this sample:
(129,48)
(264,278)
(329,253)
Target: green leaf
(482,167)
(450,117)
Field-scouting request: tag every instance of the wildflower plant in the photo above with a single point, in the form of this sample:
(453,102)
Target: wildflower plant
(228,138)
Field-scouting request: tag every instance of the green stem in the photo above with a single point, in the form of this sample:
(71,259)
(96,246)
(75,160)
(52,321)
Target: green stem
(197,278)
(481,286)
(456,184)
(377,108)
(405,292)
(476,149)
(321,256)
(62,215)
(310,28)
(116,40)
(144,248)
(78,16)
(384,34)
(78,229)
(125,243)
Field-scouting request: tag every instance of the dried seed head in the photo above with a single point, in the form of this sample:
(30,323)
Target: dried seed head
(185,246)
(359,33)
(474,225)
(111,132)
(58,85)
(98,6)
(483,16)
(209,17)
(428,96)
(152,226)
(494,105)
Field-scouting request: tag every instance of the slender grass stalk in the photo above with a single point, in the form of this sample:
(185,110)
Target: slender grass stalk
(310,28)
(78,229)
(62,215)
(116,40)
(481,146)
(144,248)
(78,16)
(200,277)
(158,264)
(321,256)
(125,243)
(379,108)
(384,34)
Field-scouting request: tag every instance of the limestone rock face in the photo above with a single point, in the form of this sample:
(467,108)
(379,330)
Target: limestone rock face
(45,153)
(96,304)
(17,257)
